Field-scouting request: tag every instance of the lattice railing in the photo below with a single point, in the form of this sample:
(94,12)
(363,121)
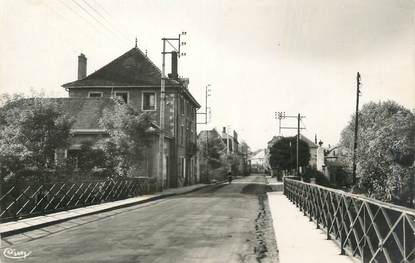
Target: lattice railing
(371,230)
(26,200)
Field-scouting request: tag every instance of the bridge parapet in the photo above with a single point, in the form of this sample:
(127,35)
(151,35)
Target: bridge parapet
(365,228)
(18,201)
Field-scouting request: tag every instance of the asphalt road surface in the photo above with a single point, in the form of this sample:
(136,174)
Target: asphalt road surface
(215,224)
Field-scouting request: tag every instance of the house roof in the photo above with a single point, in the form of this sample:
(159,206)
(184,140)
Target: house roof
(310,143)
(86,112)
(260,154)
(213,133)
(133,68)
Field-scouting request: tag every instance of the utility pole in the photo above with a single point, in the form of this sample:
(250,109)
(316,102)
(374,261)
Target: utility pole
(298,142)
(207,94)
(281,115)
(356,125)
(176,51)
(227,140)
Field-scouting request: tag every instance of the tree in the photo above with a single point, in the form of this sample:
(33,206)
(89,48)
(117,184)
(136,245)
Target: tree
(234,161)
(339,175)
(31,129)
(283,153)
(130,137)
(213,153)
(385,151)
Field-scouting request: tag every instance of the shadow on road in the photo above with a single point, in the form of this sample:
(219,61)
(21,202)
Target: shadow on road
(256,189)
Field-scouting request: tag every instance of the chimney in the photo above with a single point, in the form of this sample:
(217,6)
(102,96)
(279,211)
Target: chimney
(81,66)
(185,82)
(224,130)
(235,135)
(173,74)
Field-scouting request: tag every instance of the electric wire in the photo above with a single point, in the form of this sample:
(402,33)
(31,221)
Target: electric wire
(121,34)
(96,20)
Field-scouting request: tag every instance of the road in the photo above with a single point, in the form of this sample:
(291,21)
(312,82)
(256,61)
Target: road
(215,224)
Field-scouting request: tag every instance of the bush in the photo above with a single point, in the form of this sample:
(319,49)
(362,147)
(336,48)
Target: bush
(218,174)
(321,179)
(339,173)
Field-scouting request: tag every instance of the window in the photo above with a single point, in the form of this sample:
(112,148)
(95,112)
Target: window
(95,94)
(189,110)
(181,106)
(122,95)
(182,134)
(183,166)
(149,101)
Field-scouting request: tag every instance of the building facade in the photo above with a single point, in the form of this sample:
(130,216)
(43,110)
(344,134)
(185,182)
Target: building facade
(134,79)
(230,140)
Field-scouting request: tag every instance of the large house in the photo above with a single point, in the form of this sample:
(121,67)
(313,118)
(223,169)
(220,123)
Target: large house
(258,161)
(134,79)
(231,141)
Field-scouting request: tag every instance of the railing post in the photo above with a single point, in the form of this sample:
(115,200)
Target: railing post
(364,235)
(342,234)
(328,226)
(283,186)
(318,219)
(305,203)
(310,213)
(404,240)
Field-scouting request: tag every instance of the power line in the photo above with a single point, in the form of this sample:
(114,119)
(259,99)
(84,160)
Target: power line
(96,11)
(83,18)
(88,22)
(102,7)
(98,21)
(54,11)
(76,13)
(103,17)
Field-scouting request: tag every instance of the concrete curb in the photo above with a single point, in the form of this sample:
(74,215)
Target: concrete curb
(57,221)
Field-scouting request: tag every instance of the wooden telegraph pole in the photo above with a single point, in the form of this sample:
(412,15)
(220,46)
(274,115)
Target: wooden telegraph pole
(281,115)
(356,125)
(207,94)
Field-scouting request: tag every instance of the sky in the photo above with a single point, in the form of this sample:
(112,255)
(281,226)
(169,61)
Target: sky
(260,57)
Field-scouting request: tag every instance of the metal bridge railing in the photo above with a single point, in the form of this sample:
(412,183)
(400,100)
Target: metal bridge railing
(19,201)
(365,228)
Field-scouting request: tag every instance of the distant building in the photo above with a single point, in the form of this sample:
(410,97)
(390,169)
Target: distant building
(258,161)
(230,140)
(235,153)
(314,152)
(335,157)
(206,139)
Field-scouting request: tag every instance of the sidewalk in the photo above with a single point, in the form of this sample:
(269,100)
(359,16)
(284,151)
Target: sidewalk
(298,240)
(274,183)
(15,227)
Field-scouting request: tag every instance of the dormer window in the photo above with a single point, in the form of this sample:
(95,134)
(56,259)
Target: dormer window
(122,96)
(149,101)
(95,94)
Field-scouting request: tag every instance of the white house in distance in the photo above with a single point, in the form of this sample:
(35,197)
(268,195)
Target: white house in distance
(258,161)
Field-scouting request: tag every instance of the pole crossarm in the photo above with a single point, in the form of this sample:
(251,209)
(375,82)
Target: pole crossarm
(295,128)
